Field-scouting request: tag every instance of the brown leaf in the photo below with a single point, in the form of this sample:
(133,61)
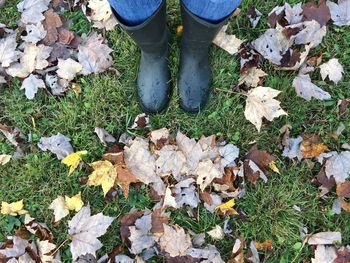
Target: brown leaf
(65,36)
(182,259)
(114,154)
(274,18)
(158,220)
(343,189)
(206,197)
(322,178)
(39,229)
(23,233)
(59,51)
(111,195)
(345,205)
(261,158)
(316,60)
(343,255)
(319,12)
(250,174)
(126,221)
(124,178)
(312,146)
(343,104)
(266,245)
(227,179)
(51,23)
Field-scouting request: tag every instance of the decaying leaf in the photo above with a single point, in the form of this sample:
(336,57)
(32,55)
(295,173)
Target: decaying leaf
(68,69)
(312,146)
(84,230)
(252,78)
(5,158)
(340,12)
(337,165)
(217,233)
(31,86)
(8,52)
(62,205)
(32,10)
(319,12)
(307,90)
(94,55)
(101,14)
(104,136)
(261,103)
(227,208)
(17,250)
(254,16)
(175,241)
(324,254)
(230,43)
(333,69)
(35,33)
(325,238)
(14,209)
(206,172)
(57,144)
(73,160)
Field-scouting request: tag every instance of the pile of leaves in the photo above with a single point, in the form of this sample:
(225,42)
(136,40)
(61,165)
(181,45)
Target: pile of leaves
(44,53)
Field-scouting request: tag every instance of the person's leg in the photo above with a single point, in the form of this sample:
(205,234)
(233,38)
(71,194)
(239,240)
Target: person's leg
(152,37)
(135,12)
(201,20)
(213,11)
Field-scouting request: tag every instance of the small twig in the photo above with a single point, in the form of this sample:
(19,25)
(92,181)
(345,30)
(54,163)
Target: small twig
(61,245)
(231,91)
(301,249)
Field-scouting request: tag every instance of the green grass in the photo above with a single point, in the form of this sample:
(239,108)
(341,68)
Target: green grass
(111,102)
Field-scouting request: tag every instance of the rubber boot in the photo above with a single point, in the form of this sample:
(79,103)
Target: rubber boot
(153,81)
(195,73)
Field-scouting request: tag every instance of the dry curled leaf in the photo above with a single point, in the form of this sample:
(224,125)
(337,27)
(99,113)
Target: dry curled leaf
(230,43)
(333,69)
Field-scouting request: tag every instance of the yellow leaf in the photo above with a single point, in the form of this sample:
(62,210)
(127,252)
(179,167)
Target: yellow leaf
(104,174)
(227,208)
(73,160)
(179,30)
(274,167)
(13,209)
(74,203)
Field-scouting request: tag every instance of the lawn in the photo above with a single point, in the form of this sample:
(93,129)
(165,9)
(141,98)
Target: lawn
(110,101)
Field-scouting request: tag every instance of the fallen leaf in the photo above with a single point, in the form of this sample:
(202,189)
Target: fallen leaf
(207,254)
(266,245)
(292,150)
(84,230)
(8,52)
(51,23)
(206,172)
(104,136)
(293,15)
(141,121)
(31,85)
(57,144)
(32,10)
(104,174)
(227,208)
(274,167)
(44,251)
(175,241)
(325,238)
(230,43)
(324,254)
(340,12)
(311,33)
(59,208)
(333,69)
(253,254)
(343,189)
(338,166)
(74,203)
(254,16)
(35,33)
(101,14)
(217,233)
(124,178)
(94,55)
(319,12)
(252,78)
(5,158)
(18,248)
(261,103)
(307,90)
(73,160)
(68,68)
(312,146)
(14,209)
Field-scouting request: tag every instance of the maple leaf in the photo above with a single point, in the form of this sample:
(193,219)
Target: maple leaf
(57,144)
(68,68)
(325,238)
(5,158)
(337,165)
(14,209)
(18,248)
(62,206)
(104,174)
(312,33)
(333,69)
(206,172)
(169,200)
(254,16)
(35,33)
(343,189)
(170,161)
(340,12)
(31,85)
(84,231)
(44,250)
(312,146)
(319,12)
(8,52)
(324,254)
(101,14)
(261,103)
(293,150)
(73,160)
(230,43)
(307,90)
(124,178)
(175,241)
(227,208)
(252,78)
(94,55)
(293,15)
(32,10)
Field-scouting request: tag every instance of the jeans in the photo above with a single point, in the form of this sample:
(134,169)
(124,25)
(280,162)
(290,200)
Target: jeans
(134,12)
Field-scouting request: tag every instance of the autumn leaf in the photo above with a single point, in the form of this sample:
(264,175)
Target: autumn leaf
(333,70)
(104,174)
(4,159)
(261,103)
(216,233)
(124,178)
(84,231)
(266,245)
(14,209)
(340,12)
(57,144)
(230,43)
(227,208)
(311,146)
(325,238)
(62,206)
(73,160)
(175,241)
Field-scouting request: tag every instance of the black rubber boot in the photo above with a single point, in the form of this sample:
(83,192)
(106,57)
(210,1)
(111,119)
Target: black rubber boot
(195,73)
(152,36)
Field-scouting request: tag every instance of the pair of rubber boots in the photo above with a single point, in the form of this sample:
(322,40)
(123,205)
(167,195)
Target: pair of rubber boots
(152,36)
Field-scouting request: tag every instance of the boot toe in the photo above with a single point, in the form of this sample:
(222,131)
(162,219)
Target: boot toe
(154,98)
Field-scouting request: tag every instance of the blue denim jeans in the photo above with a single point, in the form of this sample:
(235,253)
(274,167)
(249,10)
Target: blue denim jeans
(135,12)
